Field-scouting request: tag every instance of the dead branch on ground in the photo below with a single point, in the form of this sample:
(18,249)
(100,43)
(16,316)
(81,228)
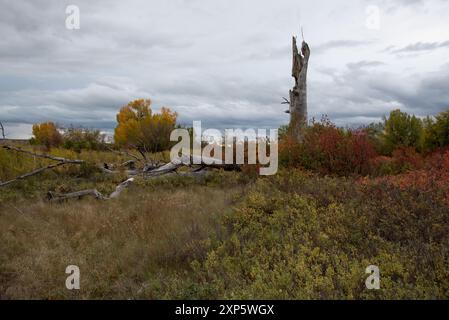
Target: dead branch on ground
(90,192)
(32,173)
(43,155)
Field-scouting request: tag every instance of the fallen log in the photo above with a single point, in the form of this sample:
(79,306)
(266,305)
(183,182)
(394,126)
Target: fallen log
(43,155)
(78,194)
(61,161)
(32,173)
(175,164)
(122,186)
(167,169)
(90,192)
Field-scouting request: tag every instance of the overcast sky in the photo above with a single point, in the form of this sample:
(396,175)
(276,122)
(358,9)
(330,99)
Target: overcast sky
(224,62)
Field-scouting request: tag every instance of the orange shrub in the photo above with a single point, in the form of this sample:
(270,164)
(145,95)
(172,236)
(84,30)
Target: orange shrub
(431,177)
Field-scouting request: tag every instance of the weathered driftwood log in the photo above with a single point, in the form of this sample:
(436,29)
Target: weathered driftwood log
(90,192)
(61,161)
(298,95)
(43,155)
(204,162)
(32,173)
(166,169)
(78,194)
(122,186)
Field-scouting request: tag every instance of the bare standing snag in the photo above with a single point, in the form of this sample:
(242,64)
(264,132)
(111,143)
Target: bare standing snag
(2,129)
(298,95)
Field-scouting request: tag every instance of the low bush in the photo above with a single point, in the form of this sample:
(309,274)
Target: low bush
(78,139)
(298,236)
(328,149)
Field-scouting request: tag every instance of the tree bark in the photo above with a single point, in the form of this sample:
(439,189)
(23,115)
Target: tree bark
(298,95)
(2,129)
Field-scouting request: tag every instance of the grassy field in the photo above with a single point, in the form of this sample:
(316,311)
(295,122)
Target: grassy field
(295,235)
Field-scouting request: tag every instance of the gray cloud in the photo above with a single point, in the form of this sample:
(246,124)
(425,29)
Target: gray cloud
(335,44)
(420,47)
(226,63)
(365,64)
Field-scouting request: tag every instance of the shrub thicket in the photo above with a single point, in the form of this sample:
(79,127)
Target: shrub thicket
(78,139)
(328,149)
(398,145)
(298,236)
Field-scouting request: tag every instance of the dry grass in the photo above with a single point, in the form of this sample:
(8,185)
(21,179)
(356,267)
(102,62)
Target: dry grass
(121,246)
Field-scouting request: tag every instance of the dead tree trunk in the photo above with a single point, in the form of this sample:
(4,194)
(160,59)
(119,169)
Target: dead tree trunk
(2,129)
(90,192)
(298,95)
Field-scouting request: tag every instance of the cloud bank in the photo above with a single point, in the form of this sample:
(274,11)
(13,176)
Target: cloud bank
(226,63)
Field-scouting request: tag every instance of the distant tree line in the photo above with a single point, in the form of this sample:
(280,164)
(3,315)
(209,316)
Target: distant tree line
(138,127)
(398,143)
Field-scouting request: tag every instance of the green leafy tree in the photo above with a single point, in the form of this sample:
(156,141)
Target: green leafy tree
(437,131)
(402,130)
(79,138)
(374,132)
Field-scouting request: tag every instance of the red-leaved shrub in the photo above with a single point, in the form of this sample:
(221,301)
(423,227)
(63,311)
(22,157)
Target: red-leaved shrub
(432,175)
(329,150)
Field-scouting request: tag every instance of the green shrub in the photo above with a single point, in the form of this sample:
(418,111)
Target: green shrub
(302,237)
(78,139)
(437,131)
(402,130)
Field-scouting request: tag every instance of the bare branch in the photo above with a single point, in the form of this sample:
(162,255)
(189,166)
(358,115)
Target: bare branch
(286,101)
(43,155)
(61,161)
(32,173)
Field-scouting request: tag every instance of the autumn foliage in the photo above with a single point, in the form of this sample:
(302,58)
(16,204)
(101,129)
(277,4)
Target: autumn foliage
(430,175)
(329,150)
(138,127)
(47,134)
(400,144)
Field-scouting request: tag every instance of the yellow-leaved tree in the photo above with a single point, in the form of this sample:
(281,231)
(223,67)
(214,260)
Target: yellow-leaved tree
(47,134)
(138,127)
